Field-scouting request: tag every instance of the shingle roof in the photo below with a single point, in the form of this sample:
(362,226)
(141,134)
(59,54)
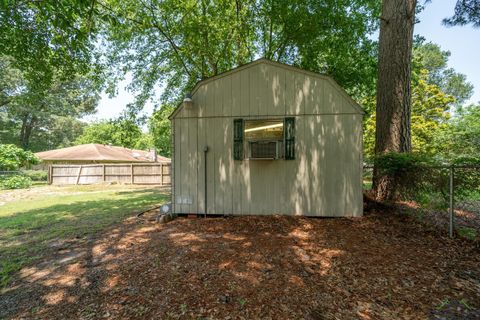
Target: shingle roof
(99,152)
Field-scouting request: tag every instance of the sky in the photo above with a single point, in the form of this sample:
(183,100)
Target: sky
(462,42)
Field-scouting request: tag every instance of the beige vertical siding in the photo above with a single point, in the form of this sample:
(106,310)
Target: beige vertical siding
(323,180)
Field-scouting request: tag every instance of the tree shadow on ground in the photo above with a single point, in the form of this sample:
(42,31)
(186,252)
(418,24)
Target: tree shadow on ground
(31,235)
(252,267)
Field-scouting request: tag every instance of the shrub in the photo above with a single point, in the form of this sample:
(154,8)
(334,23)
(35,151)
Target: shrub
(416,177)
(16,182)
(36,175)
(13,157)
(426,180)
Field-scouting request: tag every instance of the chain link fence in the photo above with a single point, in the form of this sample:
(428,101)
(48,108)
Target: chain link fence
(447,197)
(37,177)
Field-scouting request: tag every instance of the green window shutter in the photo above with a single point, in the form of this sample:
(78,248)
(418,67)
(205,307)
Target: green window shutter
(289,133)
(238,139)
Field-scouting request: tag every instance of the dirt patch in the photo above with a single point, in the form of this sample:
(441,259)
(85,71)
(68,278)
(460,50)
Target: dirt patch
(382,266)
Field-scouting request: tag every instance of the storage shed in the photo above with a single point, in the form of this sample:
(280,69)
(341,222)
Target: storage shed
(267,138)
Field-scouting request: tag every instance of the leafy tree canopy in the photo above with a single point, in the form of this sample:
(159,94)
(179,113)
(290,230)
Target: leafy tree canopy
(121,132)
(430,114)
(466,11)
(160,130)
(176,43)
(430,56)
(28,109)
(50,39)
(461,139)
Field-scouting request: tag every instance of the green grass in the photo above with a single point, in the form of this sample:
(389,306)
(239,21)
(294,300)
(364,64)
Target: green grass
(469,233)
(29,226)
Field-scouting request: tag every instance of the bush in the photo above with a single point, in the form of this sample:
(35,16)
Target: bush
(36,175)
(416,176)
(16,182)
(13,157)
(426,180)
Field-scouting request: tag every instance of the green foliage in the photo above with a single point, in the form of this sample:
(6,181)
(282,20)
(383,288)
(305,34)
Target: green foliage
(436,91)
(424,179)
(329,38)
(49,38)
(109,132)
(176,43)
(43,113)
(431,57)
(415,177)
(468,233)
(36,175)
(399,164)
(160,130)
(466,11)
(125,133)
(59,132)
(13,157)
(460,140)
(430,115)
(102,132)
(16,182)
(145,142)
(57,215)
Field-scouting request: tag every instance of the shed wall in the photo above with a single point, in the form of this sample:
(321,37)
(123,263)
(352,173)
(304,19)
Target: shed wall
(323,180)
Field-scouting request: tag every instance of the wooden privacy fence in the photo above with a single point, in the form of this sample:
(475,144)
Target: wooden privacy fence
(131,173)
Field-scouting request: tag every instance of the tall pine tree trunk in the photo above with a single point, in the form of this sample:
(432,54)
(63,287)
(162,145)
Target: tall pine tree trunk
(393,87)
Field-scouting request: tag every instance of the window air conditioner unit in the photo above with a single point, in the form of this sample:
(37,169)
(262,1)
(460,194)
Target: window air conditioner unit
(265,149)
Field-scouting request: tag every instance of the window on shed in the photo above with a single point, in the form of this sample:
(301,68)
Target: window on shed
(264,139)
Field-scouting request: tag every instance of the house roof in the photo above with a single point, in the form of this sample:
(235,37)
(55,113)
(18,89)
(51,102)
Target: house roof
(99,152)
(275,63)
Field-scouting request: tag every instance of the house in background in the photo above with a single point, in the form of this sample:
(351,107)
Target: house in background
(267,138)
(97,153)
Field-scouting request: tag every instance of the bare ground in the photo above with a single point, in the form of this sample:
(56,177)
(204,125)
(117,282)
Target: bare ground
(381,266)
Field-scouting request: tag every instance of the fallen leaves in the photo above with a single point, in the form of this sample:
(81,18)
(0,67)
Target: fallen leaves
(382,266)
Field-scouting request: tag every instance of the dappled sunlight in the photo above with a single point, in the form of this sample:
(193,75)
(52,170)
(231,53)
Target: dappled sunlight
(110,283)
(232,237)
(238,265)
(300,234)
(296,281)
(225,264)
(256,265)
(32,274)
(184,238)
(55,297)
(247,276)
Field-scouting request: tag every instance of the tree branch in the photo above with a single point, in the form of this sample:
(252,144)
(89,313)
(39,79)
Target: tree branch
(173,45)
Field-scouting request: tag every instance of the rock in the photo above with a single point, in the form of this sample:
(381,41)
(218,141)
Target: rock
(164,218)
(225,299)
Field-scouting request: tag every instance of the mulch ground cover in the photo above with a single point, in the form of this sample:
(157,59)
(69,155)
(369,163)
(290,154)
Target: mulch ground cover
(382,266)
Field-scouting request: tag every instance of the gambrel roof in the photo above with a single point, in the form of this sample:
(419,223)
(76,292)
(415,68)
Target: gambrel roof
(356,107)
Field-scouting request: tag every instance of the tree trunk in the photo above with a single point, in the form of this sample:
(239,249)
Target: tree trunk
(28,124)
(393,87)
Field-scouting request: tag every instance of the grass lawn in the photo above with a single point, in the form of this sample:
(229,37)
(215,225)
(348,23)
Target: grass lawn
(32,221)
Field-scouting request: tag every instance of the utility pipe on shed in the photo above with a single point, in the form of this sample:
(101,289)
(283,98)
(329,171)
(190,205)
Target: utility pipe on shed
(205,151)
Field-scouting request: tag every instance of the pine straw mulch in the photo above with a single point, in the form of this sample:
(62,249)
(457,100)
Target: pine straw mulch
(381,266)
